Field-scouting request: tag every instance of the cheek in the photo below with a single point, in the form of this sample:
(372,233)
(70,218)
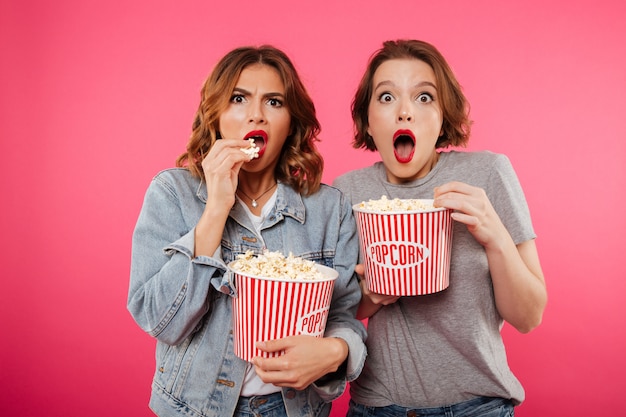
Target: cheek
(279,129)
(230,122)
(384,143)
(283,123)
(376,122)
(431,120)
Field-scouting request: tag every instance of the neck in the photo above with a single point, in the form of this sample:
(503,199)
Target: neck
(256,198)
(410,177)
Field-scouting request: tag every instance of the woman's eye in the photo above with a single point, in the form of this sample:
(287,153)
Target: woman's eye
(237,98)
(274,102)
(424,98)
(385,98)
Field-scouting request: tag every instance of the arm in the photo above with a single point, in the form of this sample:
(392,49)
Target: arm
(518,281)
(172,264)
(168,287)
(518,284)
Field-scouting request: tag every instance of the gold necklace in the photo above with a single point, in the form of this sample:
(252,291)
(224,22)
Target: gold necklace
(253,203)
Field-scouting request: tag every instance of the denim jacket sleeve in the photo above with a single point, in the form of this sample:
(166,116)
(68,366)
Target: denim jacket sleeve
(169,288)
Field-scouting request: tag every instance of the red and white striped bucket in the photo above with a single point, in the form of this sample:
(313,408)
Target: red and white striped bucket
(405,253)
(266,309)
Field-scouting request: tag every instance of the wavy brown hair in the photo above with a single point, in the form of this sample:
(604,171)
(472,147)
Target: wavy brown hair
(455,107)
(300,164)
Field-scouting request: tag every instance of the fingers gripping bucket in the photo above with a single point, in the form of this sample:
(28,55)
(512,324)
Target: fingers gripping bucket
(266,309)
(405,253)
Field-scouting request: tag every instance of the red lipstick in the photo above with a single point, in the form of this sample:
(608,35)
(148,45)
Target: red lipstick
(403,145)
(260,139)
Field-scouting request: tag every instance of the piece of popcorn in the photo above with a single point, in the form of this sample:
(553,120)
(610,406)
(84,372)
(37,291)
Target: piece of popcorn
(276,266)
(396,204)
(252,150)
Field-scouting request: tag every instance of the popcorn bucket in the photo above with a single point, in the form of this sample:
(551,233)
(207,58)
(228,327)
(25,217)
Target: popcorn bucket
(405,253)
(269,308)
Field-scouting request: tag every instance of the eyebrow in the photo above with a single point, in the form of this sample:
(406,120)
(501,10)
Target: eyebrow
(247,93)
(418,85)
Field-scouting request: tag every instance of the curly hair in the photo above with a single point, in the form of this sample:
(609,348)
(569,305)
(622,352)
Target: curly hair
(300,164)
(455,107)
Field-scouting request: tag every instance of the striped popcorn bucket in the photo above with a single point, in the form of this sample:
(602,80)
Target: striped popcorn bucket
(405,253)
(266,309)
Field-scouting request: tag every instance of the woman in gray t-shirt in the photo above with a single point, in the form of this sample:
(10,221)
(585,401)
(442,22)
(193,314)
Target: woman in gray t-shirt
(441,351)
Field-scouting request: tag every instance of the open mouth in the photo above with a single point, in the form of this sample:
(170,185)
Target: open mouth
(260,139)
(403,145)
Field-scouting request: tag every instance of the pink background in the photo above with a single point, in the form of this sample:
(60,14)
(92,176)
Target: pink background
(97,96)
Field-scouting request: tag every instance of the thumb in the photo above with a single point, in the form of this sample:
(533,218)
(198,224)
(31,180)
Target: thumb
(360,270)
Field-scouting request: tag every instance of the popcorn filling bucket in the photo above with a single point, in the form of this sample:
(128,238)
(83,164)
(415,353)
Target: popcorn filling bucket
(270,308)
(405,253)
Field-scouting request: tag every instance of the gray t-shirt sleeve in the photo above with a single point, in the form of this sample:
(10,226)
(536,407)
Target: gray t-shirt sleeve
(507,197)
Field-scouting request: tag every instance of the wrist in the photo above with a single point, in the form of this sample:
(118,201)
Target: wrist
(341,351)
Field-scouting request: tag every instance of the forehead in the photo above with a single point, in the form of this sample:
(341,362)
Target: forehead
(260,77)
(410,70)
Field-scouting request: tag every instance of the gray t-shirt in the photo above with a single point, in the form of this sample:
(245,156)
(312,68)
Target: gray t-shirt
(443,348)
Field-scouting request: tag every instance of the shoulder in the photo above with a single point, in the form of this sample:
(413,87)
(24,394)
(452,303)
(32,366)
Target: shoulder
(173,174)
(476,162)
(356,176)
(175,177)
(175,181)
(328,197)
(478,168)
(476,157)
(327,193)
(489,170)
(329,190)
(365,171)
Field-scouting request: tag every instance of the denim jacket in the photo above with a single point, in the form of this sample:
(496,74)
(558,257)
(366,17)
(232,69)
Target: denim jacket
(184,301)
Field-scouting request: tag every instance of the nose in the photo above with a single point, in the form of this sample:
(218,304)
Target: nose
(405,116)
(256,113)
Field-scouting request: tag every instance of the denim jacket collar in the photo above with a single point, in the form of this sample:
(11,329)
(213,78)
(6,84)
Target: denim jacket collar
(288,203)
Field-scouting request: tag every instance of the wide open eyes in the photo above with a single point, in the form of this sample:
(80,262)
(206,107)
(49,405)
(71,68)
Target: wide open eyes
(424,98)
(237,98)
(385,97)
(275,102)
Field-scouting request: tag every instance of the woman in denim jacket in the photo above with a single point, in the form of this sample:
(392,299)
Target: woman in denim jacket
(221,202)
